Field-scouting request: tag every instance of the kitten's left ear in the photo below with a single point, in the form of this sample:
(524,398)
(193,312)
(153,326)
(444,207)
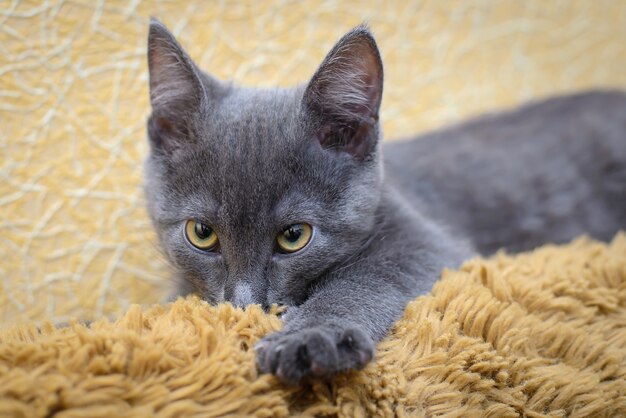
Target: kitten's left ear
(177,90)
(345,94)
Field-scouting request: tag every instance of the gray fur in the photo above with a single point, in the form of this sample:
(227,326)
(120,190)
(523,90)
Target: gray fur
(249,162)
(546,172)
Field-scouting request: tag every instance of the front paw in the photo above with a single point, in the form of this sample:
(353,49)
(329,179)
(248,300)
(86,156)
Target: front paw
(313,352)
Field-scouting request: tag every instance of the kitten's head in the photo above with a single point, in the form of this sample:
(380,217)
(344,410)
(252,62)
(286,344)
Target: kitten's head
(257,193)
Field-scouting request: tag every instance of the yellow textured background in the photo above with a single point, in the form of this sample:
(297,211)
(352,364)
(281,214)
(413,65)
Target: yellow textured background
(74,236)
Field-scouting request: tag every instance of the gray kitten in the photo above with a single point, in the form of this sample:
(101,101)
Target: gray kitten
(279,195)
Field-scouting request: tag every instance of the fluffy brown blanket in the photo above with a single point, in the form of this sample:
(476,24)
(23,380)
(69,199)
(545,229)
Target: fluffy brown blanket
(538,334)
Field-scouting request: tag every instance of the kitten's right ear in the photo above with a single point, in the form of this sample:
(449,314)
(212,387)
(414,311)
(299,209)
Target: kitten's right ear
(345,94)
(177,92)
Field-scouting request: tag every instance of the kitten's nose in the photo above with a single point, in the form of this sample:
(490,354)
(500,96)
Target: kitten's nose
(246,288)
(242,295)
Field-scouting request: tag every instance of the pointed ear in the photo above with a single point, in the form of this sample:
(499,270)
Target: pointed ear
(345,94)
(177,92)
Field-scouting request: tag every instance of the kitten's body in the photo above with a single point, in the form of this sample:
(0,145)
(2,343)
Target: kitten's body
(546,172)
(247,163)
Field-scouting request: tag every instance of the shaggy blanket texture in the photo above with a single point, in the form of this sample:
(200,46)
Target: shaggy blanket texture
(541,334)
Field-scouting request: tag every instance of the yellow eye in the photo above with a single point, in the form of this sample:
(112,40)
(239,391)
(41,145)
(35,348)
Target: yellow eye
(201,235)
(294,237)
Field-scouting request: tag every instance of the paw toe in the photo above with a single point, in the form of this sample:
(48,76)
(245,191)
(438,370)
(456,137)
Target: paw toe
(356,348)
